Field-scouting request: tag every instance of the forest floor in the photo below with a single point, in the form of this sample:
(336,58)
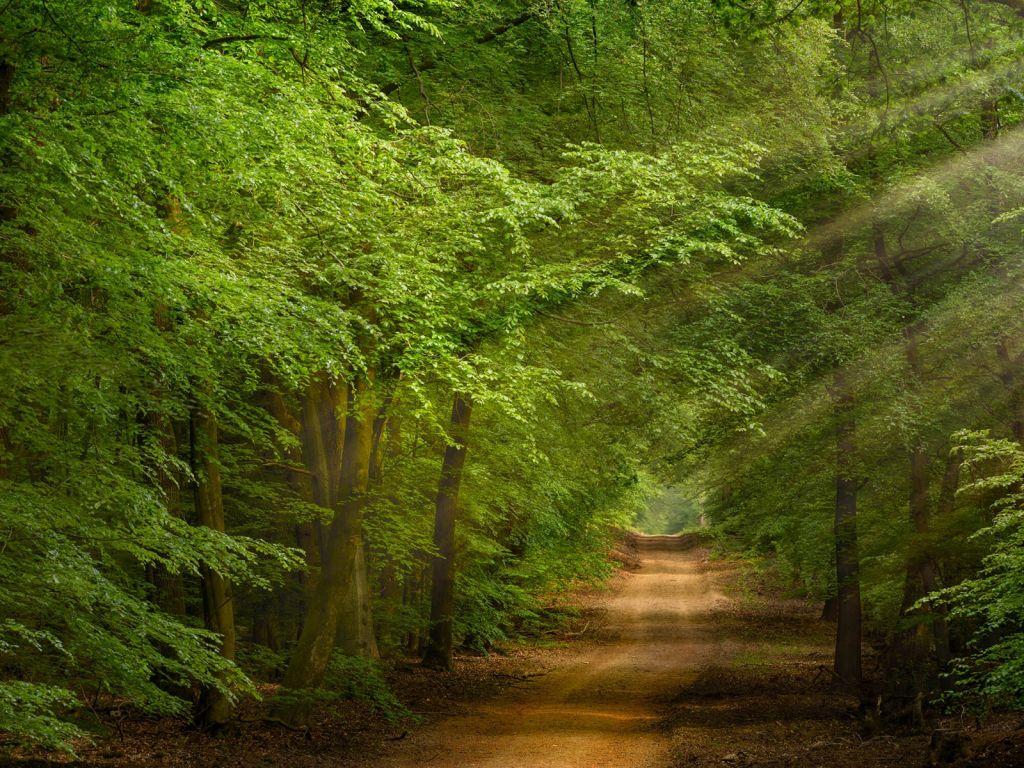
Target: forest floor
(685,662)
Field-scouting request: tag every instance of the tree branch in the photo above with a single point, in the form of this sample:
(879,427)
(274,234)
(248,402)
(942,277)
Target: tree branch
(486,37)
(501,29)
(238,39)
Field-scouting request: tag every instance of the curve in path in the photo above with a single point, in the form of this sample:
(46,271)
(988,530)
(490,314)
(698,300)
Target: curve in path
(601,707)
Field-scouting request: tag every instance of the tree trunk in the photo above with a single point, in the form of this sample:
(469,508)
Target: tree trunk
(413,597)
(848,629)
(830,609)
(921,578)
(305,534)
(263,631)
(323,439)
(356,635)
(168,588)
(342,540)
(387,445)
(215,708)
(438,653)
(1009,374)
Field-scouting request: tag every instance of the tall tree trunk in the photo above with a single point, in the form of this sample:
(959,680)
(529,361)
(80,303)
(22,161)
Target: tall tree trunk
(438,653)
(1009,366)
(356,633)
(168,588)
(323,442)
(215,707)
(1009,374)
(921,578)
(6,79)
(356,636)
(306,534)
(386,446)
(342,540)
(848,629)
(263,631)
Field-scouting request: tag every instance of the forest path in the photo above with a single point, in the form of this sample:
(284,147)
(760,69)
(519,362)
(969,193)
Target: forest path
(601,707)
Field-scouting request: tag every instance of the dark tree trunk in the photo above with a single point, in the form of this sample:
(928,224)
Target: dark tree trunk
(168,588)
(214,708)
(438,653)
(263,631)
(922,578)
(342,540)
(1010,367)
(6,79)
(323,439)
(830,609)
(306,535)
(848,630)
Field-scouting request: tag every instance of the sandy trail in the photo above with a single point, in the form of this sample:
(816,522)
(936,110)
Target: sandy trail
(601,706)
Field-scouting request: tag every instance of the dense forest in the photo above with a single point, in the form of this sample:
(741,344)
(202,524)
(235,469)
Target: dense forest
(336,331)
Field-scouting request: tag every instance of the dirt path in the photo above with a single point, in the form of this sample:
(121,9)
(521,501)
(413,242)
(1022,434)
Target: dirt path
(697,664)
(600,708)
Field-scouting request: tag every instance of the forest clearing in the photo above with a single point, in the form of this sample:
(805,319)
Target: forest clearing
(350,348)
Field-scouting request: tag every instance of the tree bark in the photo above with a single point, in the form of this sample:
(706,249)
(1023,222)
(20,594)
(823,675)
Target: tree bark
(323,438)
(356,636)
(848,629)
(342,541)
(307,535)
(215,708)
(922,576)
(168,588)
(440,642)
(6,79)
(1009,374)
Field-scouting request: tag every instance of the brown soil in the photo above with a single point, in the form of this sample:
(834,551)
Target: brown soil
(602,704)
(685,661)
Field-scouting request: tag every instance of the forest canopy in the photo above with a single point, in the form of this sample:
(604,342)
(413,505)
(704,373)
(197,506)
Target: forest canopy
(332,332)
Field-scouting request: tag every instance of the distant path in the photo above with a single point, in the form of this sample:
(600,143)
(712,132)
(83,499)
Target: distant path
(599,708)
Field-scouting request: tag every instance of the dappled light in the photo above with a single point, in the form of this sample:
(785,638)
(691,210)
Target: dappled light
(529,383)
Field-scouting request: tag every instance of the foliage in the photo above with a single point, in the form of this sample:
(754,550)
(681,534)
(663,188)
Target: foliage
(32,713)
(351,678)
(645,239)
(991,602)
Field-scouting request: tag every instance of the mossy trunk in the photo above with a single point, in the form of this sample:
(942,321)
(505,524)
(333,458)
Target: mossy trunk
(848,628)
(327,615)
(307,534)
(168,588)
(356,635)
(922,578)
(440,640)
(214,708)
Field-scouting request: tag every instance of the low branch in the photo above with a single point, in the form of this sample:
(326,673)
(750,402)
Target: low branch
(570,320)
(486,37)
(289,467)
(501,29)
(238,39)
(948,136)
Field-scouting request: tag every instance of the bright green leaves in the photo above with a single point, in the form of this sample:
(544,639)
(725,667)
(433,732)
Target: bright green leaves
(27,712)
(206,206)
(992,600)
